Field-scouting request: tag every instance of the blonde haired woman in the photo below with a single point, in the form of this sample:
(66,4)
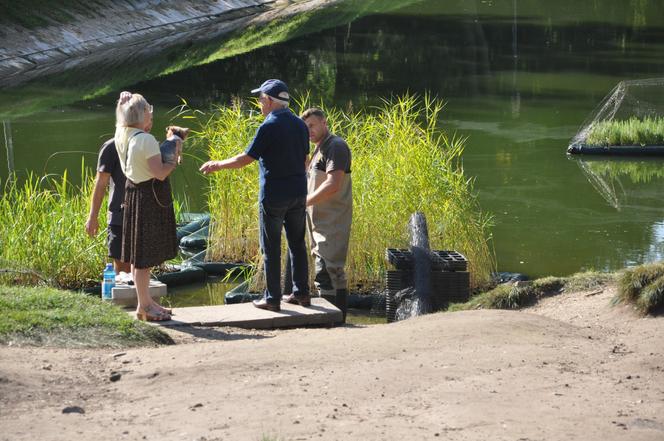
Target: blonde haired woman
(149,222)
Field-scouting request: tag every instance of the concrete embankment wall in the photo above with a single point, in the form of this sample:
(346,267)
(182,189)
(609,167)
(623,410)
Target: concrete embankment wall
(84,32)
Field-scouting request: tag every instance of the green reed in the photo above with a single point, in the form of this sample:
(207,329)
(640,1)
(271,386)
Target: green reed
(402,162)
(630,132)
(42,233)
(232,198)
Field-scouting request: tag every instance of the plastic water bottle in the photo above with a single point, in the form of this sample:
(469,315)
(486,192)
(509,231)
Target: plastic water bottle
(109,282)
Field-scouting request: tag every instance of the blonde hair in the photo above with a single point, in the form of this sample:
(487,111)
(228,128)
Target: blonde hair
(131,112)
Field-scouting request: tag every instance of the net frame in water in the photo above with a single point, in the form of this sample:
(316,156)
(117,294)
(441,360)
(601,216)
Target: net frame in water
(639,99)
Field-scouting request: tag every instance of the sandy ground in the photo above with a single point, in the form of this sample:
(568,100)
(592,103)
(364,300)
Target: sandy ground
(571,368)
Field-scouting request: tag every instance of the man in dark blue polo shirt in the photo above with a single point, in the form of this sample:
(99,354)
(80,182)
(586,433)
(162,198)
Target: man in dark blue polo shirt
(280,146)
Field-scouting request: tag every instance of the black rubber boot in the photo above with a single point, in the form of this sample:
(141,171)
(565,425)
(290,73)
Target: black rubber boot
(341,302)
(332,298)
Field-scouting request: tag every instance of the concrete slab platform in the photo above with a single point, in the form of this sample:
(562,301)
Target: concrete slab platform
(123,294)
(246,315)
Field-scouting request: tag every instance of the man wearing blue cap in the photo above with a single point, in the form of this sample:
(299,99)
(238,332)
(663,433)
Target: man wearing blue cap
(280,146)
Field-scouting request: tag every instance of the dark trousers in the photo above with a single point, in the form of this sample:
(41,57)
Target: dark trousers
(289,215)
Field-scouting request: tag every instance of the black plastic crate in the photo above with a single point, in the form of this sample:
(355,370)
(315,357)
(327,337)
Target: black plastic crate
(400,259)
(446,287)
(454,286)
(451,260)
(441,260)
(394,284)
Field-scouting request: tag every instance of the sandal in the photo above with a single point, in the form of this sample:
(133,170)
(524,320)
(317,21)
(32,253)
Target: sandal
(152,314)
(168,311)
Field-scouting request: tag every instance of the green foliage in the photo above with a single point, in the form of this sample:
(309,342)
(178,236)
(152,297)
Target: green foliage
(402,163)
(43,236)
(642,286)
(50,316)
(629,132)
(522,294)
(42,232)
(232,199)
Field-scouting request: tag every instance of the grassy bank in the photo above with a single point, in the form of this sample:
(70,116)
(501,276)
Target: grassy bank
(522,294)
(629,132)
(402,162)
(51,317)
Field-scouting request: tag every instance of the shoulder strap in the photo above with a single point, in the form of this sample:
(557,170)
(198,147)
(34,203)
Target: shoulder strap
(128,144)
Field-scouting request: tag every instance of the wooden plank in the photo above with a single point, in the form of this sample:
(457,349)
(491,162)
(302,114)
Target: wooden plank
(246,315)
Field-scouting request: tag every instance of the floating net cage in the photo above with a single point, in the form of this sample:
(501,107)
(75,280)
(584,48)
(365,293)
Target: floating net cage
(630,119)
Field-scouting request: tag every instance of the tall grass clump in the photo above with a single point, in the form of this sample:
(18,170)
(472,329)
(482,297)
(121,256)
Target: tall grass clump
(628,132)
(643,287)
(42,235)
(402,162)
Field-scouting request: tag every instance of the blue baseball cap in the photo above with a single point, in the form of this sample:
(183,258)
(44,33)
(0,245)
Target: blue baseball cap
(275,88)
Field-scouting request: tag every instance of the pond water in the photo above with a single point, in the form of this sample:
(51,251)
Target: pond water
(519,78)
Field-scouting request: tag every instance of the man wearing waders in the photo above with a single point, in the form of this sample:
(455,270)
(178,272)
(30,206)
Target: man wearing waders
(329,208)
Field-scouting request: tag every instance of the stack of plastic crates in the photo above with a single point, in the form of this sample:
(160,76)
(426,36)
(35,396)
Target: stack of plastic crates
(450,279)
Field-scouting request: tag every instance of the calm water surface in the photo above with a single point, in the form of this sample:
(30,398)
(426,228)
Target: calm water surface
(519,77)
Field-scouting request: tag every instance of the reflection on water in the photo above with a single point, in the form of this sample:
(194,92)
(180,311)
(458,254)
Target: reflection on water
(202,294)
(633,184)
(607,174)
(605,185)
(638,171)
(118,66)
(519,78)
(656,248)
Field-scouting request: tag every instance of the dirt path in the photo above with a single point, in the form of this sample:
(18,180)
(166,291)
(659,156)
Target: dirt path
(570,368)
